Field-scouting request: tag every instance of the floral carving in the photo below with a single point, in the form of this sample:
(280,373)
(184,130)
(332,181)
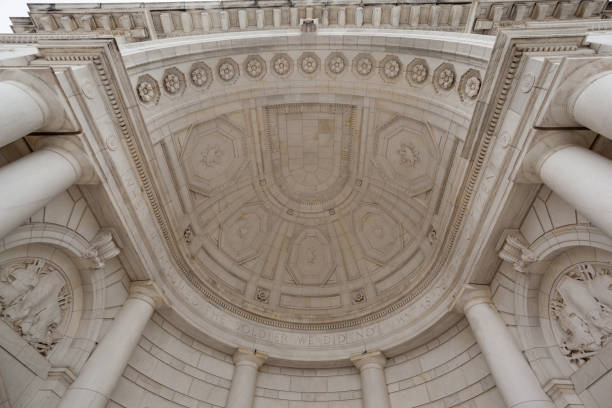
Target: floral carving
(444,77)
(262,295)
(173,81)
(469,85)
(335,63)
(212,155)
(228,70)
(581,304)
(417,71)
(363,65)
(359,296)
(34,297)
(201,75)
(309,63)
(390,68)
(408,155)
(282,65)
(148,89)
(255,67)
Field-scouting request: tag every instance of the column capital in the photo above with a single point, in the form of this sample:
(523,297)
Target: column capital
(373,358)
(249,357)
(471,295)
(70,148)
(544,144)
(149,292)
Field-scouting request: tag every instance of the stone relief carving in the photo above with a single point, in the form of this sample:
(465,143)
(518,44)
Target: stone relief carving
(390,68)
(358,296)
(35,299)
(201,75)
(228,70)
(379,235)
(335,64)
(581,305)
(242,234)
(148,89)
(469,85)
(309,63)
(444,77)
(408,155)
(515,250)
(363,65)
(282,65)
(417,71)
(254,67)
(103,248)
(174,81)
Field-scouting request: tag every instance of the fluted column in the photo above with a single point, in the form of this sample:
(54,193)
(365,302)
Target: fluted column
(373,383)
(246,366)
(592,105)
(22,111)
(28,184)
(98,377)
(513,376)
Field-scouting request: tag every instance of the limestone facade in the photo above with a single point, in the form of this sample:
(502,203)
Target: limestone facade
(306,205)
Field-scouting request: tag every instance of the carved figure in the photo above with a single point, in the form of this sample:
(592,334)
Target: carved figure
(581,305)
(33,299)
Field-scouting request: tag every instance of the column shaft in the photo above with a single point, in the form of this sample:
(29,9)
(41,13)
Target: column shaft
(373,382)
(20,114)
(583,179)
(242,390)
(592,106)
(28,184)
(515,380)
(97,379)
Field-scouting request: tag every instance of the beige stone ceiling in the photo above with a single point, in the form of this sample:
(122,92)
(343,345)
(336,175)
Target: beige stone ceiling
(309,188)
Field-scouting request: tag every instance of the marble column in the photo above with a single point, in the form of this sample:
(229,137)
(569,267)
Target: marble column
(28,184)
(373,383)
(22,111)
(592,105)
(98,377)
(513,376)
(582,178)
(246,366)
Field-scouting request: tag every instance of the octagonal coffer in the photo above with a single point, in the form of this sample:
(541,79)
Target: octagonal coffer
(213,155)
(407,154)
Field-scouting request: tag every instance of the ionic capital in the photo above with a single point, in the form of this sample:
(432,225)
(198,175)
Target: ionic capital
(149,292)
(471,295)
(372,359)
(249,357)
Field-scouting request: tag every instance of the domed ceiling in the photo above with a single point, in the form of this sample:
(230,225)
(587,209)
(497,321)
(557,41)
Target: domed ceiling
(308,189)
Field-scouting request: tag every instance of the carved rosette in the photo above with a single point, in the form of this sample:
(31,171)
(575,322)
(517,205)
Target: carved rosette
(255,67)
(390,68)
(147,90)
(581,310)
(335,64)
(228,70)
(262,295)
(173,81)
(417,72)
(309,63)
(358,296)
(363,65)
(469,85)
(35,298)
(282,65)
(444,77)
(200,75)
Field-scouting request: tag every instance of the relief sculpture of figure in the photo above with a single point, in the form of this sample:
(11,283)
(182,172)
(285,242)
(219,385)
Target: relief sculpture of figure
(583,312)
